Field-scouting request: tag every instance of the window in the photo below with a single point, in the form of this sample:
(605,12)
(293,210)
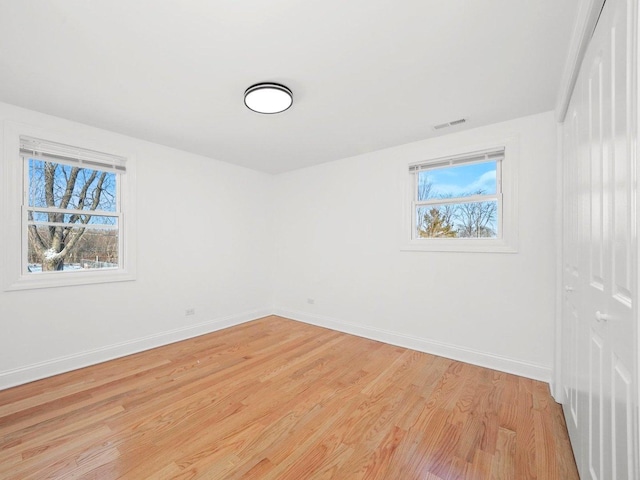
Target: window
(462,202)
(458,198)
(70,208)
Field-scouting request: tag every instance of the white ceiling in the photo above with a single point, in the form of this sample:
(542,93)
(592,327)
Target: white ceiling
(365,74)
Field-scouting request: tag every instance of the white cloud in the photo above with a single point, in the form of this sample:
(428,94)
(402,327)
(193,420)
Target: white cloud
(486,182)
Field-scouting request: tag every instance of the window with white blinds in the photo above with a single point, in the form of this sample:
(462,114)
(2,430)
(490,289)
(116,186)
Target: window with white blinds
(458,197)
(71,210)
(68,208)
(463,202)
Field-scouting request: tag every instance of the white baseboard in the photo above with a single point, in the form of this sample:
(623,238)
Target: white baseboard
(36,371)
(467,355)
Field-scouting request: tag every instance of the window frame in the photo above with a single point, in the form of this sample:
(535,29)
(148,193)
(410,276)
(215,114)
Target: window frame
(15,207)
(506,196)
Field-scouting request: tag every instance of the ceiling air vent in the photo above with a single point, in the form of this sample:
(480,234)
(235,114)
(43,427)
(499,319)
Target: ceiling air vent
(450,124)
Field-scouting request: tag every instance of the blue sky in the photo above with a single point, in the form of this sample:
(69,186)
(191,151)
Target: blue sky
(461,180)
(36,187)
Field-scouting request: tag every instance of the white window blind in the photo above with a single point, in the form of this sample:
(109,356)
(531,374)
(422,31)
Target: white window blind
(495,155)
(59,153)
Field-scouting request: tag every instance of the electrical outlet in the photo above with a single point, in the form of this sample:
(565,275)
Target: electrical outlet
(190,311)
(311,301)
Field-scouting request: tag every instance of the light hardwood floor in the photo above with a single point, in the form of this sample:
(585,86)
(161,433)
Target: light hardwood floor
(278,399)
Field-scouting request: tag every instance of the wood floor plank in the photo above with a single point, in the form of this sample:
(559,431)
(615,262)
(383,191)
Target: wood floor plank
(278,399)
(502,464)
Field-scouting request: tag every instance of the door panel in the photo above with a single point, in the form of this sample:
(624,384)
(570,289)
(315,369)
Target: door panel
(575,232)
(573,370)
(622,421)
(596,271)
(621,191)
(595,407)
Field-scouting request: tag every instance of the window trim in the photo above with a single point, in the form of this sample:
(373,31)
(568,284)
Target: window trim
(507,227)
(13,239)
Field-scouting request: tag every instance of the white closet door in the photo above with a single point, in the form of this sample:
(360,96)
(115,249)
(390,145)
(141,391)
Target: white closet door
(600,252)
(573,230)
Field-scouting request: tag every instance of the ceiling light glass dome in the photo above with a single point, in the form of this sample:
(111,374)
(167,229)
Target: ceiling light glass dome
(268,98)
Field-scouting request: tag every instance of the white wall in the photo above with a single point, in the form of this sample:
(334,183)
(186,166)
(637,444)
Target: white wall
(206,236)
(204,241)
(337,242)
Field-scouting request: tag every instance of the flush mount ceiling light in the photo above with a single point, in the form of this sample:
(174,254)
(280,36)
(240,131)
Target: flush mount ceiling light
(268,98)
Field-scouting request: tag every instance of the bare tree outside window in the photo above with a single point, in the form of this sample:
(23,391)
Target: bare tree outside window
(477,219)
(72,220)
(457,201)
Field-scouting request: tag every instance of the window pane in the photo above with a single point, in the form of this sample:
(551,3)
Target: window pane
(62,186)
(92,248)
(71,246)
(461,220)
(436,221)
(458,181)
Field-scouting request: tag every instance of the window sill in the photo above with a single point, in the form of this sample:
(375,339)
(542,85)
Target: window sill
(53,279)
(459,245)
